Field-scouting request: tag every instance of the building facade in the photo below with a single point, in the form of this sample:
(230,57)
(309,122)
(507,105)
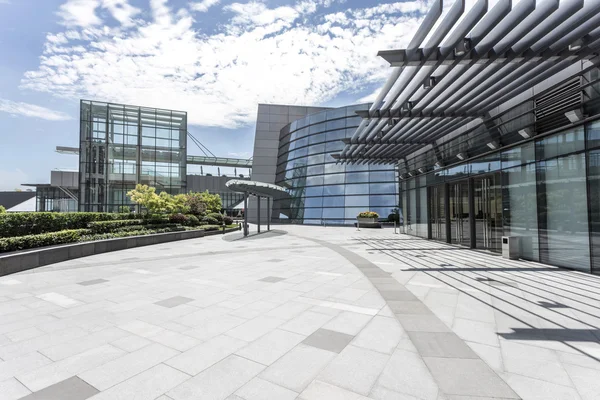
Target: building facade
(323,191)
(122,145)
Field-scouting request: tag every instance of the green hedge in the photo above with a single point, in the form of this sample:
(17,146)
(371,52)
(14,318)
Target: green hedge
(122,234)
(45,239)
(32,223)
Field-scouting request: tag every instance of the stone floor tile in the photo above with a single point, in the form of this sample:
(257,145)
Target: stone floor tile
(288,310)
(382,393)
(69,389)
(467,377)
(397,295)
(474,331)
(535,389)
(348,322)
(53,373)
(148,385)
(122,368)
(406,373)
(131,343)
(174,301)
(272,279)
(199,358)
(306,323)
(17,366)
(91,341)
(355,369)
(174,340)
(259,389)
(24,334)
(268,348)
(255,328)
(585,380)
(421,323)
(218,381)
(381,334)
(415,307)
(440,344)
(12,389)
(296,369)
(92,282)
(350,294)
(328,340)
(141,328)
(318,390)
(215,326)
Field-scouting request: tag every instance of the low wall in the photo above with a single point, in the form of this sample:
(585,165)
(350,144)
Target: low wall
(33,258)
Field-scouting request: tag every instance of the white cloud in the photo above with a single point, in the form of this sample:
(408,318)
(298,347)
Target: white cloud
(296,54)
(204,5)
(243,154)
(4,2)
(31,110)
(82,13)
(12,179)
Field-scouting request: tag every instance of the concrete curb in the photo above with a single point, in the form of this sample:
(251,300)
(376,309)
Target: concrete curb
(25,260)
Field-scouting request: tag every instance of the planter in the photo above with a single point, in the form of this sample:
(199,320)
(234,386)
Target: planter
(366,220)
(367,223)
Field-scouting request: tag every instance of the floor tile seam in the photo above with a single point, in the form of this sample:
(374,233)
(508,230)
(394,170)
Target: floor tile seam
(541,380)
(334,247)
(25,386)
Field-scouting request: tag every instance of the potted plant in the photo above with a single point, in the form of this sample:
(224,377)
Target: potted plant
(368,217)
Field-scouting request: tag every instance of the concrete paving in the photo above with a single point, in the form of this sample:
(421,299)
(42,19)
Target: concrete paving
(302,313)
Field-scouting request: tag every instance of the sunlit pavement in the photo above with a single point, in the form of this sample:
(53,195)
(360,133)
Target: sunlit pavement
(301,312)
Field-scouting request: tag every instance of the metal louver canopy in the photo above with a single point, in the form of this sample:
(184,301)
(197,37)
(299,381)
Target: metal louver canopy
(472,61)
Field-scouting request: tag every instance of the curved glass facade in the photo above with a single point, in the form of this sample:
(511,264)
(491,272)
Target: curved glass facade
(322,191)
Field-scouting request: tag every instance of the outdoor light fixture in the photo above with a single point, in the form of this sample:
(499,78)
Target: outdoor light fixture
(421,170)
(429,83)
(410,174)
(574,115)
(526,133)
(460,156)
(493,145)
(463,47)
(576,45)
(438,164)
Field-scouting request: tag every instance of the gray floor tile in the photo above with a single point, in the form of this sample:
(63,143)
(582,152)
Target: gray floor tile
(421,323)
(409,307)
(173,301)
(70,389)
(468,377)
(92,282)
(397,295)
(272,279)
(189,267)
(441,344)
(328,340)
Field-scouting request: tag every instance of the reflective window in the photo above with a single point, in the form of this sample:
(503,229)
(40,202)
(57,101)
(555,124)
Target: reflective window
(559,144)
(357,189)
(333,190)
(334,178)
(357,177)
(357,201)
(333,201)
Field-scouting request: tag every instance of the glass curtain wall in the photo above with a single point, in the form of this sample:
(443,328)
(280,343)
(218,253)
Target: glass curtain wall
(546,191)
(122,146)
(322,191)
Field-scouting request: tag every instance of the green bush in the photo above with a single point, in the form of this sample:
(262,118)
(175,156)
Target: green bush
(208,220)
(44,239)
(109,226)
(124,209)
(217,216)
(394,217)
(139,232)
(228,220)
(35,223)
(2,210)
(155,218)
(192,220)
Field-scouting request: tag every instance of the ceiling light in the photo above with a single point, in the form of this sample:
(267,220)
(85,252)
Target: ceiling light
(493,145)
(421,170)
(576,45)
(463,47)
(526,133)
(410,174)
(429,83)
(460,156)
(438,164)
(574,115)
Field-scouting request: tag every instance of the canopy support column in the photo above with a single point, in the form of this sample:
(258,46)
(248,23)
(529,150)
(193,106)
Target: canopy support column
(258,197)
(245,213)
(268,213)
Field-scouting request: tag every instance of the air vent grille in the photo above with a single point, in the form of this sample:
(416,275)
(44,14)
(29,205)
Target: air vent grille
(550,108)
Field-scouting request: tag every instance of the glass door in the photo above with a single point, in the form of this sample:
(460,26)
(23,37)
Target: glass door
(438,213)
(458,193)
(488,212)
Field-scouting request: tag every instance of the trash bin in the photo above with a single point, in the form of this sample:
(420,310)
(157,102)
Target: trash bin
(510,247)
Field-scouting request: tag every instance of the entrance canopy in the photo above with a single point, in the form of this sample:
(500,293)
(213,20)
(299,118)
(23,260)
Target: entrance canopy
(256,188)
(461,65)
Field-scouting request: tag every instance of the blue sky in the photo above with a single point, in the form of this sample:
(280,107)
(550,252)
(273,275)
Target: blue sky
(215,59)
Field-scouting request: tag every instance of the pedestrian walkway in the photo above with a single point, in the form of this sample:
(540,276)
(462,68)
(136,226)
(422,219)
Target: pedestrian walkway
(307,313)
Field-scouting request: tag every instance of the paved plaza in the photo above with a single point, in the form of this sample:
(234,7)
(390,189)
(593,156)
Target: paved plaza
(312,313)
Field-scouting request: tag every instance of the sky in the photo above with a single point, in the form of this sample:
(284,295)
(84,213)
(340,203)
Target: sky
(215,59)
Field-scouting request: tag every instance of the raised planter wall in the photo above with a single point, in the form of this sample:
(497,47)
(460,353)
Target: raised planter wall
(33,258)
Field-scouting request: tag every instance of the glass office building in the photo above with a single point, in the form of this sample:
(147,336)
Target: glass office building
(321,190)
(123,145)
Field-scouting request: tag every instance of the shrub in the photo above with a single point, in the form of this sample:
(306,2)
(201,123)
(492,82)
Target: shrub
(110,226)
(394,217)
(217,216)
(211,228)
(210,220)
(2,210)
(228,220)
(368,214)
(178,219)
(155,218)
(34,223)
(124,209)
(196,204)
(44,239)
(192,220)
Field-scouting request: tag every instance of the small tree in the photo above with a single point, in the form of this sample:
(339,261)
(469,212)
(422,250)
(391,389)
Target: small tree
(213,202)
(124,209)
(145,196)
(196,204)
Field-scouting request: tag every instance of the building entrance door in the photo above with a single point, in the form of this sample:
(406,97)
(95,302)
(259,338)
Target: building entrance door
(488,212)
(438,213)
(458,193)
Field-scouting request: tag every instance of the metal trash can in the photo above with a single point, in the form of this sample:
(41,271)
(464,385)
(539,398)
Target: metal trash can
(510,247)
